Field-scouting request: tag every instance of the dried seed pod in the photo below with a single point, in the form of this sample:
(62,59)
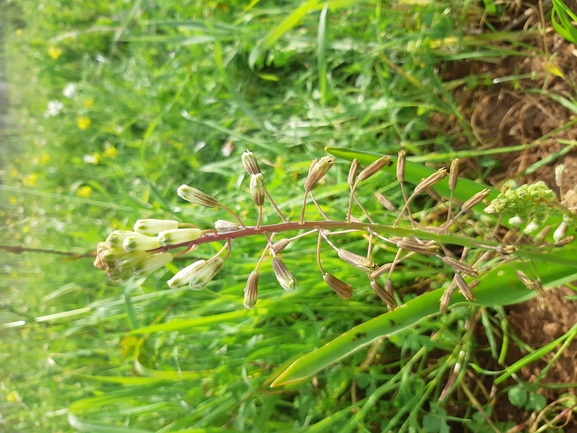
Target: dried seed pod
(195,196)
(341,288)
(434,194)
(385,296)
(463,287)
(250,163)
(385,202)
(530,284)
(353,172)
(317,170)
(251,290)
(224,226)
(154,226)
(381,270)
(446,298)
(428,249)
(475,200)
(431,180)
(257,189)
(540,237)
(283,275)
(401,166)
(460,266)
(357,261)
(279,246)
(374,168)
(454,174)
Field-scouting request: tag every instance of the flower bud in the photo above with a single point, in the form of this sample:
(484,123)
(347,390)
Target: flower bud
(341,288)
(257,188)
(374,168)
(515,221)
(560,232)
(195,196)
(250,163)
(205,273)
(357,261)
(151,264)
(183,276)
(178,236)
(531,228)
(117,237)
(130,260)
(251,290)
(140,243)
(317,170)
(559,175)
(283,275)
(226,226)
(153,226)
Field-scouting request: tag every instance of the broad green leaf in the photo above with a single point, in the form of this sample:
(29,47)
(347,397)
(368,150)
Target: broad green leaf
(499,286)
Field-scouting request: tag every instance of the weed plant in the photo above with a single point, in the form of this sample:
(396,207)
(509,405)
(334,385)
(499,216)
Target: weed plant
(119,104)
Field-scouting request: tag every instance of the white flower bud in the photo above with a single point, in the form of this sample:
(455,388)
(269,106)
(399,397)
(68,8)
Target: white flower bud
(151,264)
(154,226)
(140,243)
(178,236)
(195,196)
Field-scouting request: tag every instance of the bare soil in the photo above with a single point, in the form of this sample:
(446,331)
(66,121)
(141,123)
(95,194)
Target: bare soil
(521,112)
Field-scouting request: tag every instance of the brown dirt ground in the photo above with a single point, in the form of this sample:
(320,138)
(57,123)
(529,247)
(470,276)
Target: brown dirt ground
(508,114)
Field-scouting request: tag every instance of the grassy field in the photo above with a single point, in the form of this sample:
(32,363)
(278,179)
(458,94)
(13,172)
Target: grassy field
(115,104)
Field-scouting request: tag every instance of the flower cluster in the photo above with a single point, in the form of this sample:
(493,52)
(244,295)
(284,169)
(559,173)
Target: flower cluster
(527,200)
(148,247)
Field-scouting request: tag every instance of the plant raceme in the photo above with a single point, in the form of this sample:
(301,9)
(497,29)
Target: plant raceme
(467,244)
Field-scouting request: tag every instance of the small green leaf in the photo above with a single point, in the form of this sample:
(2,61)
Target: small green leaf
(536,402)
(517,396)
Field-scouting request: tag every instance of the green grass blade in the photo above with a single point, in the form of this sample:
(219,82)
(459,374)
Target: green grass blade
(500,286)
(288,23)
(322,58)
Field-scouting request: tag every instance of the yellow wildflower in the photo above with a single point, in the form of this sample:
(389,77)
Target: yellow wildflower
(14,173)
(13,200)
(13,397)
(83,122)
(18,32)
(84,191)
(89,102)
(110,151)
(30,180)
(54,52)
(44,158)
